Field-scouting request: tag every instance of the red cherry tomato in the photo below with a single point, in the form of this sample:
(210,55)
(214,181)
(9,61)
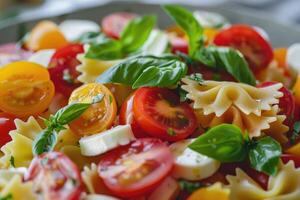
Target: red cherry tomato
(55,177)
(287,157)
(126,117)
(62,68)
(252,45)
(161,114)
(6,124)
(259,177)
(287,103)
(137,168)
(114,24)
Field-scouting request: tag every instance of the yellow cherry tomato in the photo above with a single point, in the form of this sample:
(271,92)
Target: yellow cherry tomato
(25,89)
(99,116)
(45,35)
(214,192)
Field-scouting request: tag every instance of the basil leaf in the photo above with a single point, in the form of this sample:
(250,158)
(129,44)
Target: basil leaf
(144,71)
(136,33)
(224,142)
(189,25)
(196,77)
(132,38)
(108,49)
(264,155)
(44,142)
(229,59)
(92,38)
(7,197)
(189,187)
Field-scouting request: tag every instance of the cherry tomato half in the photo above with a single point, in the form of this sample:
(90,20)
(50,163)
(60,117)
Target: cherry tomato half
(114,24)
(161,114)
(55,177)
(287,157)
(127,117)
(136,168)
(252,45)
(287,103)
(62,68)
(25,89)
(99,116)
(6,124)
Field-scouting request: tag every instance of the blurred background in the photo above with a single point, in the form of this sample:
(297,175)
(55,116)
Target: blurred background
(287,11)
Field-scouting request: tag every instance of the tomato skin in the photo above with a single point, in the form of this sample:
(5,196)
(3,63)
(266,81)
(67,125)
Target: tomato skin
(114,24)
(287,103)
(159,111)
(142,165)
(53,173)
(255,48)
(64,61)
(287,157)
(127,117)
(7,124)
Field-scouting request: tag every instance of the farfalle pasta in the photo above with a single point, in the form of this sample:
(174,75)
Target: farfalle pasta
(269,122)
(283,186)
(90,69)
(217,97)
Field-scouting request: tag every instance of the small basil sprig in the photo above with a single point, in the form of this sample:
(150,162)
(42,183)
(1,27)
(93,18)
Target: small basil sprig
(141,71)
(7,197)
(189,25)
(264,155)
(132,38)
(226,143)
(47,139)
(225,58)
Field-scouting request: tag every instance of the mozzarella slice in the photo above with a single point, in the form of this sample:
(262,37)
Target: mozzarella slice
(210,19)
(42,57)
(99,197)
(73,29)
(167,190)
(102,142)
(293,57)
(156,44)
(191,165)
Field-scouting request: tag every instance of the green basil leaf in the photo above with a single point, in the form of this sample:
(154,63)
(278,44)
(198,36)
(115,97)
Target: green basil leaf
(224,142)
(7,197)
(189,24)
(70,112)
(190,187)
(229,59)
(44,142)
(108,49)
(264,155)
(196,77)
(92,38)
(144,71)
(136,33)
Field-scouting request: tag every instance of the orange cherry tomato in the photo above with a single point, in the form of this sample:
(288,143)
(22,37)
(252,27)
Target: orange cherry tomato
(209,193)
(25,89)
(45,35)
(99,116)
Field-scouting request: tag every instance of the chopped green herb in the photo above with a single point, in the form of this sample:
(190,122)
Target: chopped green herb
(296,132)
(12,161)
(190,187)
(171,132)
(110,99)
(196,77)
(182,94)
